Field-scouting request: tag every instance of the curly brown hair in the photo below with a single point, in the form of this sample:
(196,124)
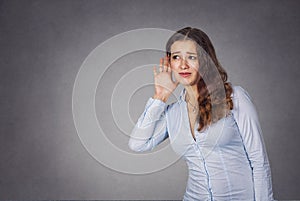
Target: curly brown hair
(214,91)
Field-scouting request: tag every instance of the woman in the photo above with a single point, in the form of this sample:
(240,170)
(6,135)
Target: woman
(213,125)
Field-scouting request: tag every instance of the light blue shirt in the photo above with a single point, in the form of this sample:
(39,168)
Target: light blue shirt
(226,161)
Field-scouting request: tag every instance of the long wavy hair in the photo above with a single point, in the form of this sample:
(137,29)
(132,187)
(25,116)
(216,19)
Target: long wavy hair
(214,91)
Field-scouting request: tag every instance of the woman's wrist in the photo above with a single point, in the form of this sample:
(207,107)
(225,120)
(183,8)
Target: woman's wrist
(161,97)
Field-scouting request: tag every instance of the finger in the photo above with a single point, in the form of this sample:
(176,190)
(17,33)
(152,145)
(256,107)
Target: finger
(165,65)
(161,62)
(176,82)
(169,70)
(154,70)
(165,68)
(167,60)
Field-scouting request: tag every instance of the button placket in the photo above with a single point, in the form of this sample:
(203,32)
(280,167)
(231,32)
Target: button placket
(204,166)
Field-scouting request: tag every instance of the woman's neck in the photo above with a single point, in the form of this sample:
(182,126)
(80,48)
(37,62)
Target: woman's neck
(192,94)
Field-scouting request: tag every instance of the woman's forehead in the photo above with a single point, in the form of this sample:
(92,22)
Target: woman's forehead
(183,46)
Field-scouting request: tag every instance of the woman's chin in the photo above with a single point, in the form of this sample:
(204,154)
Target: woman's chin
(189,81)
(185,82)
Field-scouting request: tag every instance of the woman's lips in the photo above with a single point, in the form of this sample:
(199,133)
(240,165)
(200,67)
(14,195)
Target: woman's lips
(185,74)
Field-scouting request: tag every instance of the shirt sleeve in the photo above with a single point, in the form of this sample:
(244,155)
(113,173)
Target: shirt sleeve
(247,119)
(151,127)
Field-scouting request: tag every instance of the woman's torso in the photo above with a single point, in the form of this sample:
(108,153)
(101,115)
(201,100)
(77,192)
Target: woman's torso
(218,165)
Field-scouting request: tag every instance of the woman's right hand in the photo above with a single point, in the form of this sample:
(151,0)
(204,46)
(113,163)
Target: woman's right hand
(163,82)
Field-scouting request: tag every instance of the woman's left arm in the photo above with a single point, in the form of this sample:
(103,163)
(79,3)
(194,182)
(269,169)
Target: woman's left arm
(247,119)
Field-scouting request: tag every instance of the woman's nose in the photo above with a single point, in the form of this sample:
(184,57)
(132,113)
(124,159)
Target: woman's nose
(183,64)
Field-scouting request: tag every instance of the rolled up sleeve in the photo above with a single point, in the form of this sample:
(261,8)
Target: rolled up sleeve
(151,127)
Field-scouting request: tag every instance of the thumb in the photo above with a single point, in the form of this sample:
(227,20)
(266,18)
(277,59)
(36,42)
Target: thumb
(176,83)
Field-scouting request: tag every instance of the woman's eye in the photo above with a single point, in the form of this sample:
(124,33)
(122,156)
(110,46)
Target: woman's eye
(192,57)
(175,57)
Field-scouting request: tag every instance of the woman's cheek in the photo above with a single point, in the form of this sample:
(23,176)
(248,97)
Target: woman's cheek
(177,76)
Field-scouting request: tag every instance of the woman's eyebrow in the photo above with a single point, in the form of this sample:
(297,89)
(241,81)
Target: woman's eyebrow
(186,52)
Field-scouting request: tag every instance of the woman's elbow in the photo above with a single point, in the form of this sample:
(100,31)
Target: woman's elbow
(138,146)
(133,146)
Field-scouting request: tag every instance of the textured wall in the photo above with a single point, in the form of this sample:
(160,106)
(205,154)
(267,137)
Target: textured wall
(44,43)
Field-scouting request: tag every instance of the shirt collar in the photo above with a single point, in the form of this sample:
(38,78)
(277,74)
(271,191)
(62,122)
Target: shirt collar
(182,96)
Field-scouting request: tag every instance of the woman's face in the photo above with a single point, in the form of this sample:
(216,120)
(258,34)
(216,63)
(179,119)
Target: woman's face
(184,62)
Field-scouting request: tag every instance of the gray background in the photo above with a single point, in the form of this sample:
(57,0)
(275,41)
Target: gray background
(43,44)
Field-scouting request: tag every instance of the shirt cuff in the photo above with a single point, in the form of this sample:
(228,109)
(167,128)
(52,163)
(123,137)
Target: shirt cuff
(155,102)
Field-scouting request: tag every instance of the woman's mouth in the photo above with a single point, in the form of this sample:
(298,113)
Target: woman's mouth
(185,74)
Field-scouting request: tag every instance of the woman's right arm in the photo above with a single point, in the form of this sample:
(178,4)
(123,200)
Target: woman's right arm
(151,128)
